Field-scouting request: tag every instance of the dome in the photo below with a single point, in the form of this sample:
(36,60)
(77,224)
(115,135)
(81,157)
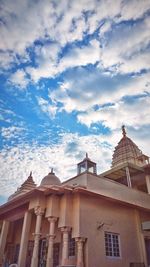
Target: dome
(50,179)
(127,151)
(27,186)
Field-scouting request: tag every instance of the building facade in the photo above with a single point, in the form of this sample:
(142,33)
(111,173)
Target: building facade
(90,220)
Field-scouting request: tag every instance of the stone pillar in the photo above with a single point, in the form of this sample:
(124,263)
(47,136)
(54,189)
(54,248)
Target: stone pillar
(24,239)
(51,237)
(3,239)
(128,177)
(80,259)
(148,183)
(65,245)
(39,212)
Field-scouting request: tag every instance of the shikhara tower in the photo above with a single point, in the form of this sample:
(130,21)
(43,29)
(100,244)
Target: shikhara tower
(90,220)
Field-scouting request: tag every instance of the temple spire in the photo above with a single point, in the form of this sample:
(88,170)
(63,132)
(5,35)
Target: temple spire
(124,131)
(27,186)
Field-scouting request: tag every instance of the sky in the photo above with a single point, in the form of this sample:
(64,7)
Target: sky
(71,74)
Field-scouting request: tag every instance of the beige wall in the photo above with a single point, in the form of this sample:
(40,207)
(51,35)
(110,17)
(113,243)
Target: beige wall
(114,190)
(116,219)
(77,180)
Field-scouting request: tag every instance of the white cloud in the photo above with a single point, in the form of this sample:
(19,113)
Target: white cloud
(125,45)
(105,27)
(24,22)
(134,9)
(6,59)
(46,107)
(49,66)
(123,112)
(22,19)
(84,89)
(46,59)
(123,49)
(11,132)
(19,79)
(81,56)
(136,63)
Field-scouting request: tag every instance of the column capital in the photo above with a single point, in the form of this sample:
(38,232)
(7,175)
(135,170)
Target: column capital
(36,235)
(80,239)
(38,211)
(65,229)
(51,237)
(52,219)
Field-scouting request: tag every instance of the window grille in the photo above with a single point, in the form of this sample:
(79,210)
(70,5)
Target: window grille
(72,246)
(112,245)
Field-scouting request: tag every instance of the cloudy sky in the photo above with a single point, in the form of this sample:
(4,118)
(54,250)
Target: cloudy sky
(72,72)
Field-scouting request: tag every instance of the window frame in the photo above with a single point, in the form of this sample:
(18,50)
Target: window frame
(107,246)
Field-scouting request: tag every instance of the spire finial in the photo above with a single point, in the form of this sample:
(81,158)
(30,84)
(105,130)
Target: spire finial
(86,155)
(30,173)
(52,170)
(124,131)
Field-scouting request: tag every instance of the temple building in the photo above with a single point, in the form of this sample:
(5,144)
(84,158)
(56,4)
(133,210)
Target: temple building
(90,220)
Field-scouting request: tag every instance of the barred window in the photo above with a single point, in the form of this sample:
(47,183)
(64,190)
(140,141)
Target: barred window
(72,246)
(112,245)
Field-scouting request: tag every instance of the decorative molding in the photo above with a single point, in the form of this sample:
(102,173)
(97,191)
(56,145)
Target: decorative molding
(39,211)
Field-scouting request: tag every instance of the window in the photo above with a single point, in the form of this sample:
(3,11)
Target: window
(72,246)
(56,254)
(17,247)
(112,245)
(43,252)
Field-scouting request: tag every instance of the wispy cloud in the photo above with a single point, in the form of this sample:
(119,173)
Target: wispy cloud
(18,161)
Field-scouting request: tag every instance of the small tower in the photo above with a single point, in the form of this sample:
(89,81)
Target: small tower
(86,165)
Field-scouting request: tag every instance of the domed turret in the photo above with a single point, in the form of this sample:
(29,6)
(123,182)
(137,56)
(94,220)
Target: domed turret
(127,151)
(50,179)
(27,186)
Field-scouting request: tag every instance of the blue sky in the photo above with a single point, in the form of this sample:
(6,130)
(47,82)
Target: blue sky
(71,73)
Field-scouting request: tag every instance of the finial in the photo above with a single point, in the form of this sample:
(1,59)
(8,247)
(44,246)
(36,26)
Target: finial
(123,131)
(30,174)
(86,155)
(52,170)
